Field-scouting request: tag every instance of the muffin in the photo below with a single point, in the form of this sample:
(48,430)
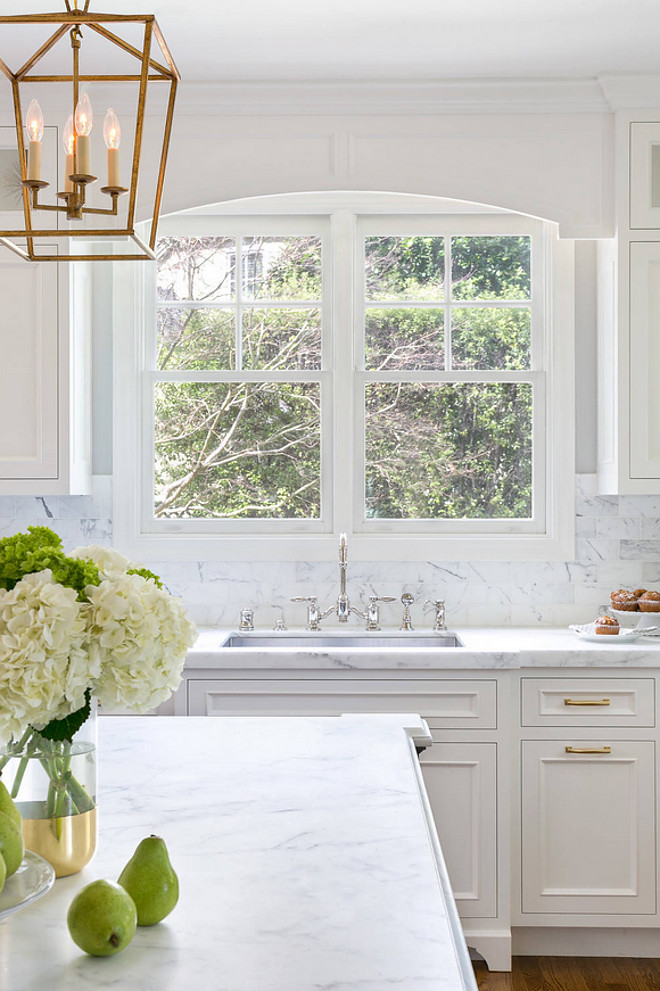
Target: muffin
(649,602)
(639,592)
(606,625)
(624,601)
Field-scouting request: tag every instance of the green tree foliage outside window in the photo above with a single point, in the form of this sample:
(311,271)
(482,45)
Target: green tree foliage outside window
(252,449)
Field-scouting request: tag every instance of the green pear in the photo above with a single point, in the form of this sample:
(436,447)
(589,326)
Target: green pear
(7,805)
(3,872)
(102,918)
(151,882)
(11,843)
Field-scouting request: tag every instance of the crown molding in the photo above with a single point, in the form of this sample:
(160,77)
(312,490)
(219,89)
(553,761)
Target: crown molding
(604,94)
(459,96)
(627,90)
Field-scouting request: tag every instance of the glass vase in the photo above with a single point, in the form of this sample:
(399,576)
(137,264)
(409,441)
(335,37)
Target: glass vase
(54,787)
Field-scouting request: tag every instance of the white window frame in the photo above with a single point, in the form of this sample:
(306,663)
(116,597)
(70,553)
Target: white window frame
(549,535)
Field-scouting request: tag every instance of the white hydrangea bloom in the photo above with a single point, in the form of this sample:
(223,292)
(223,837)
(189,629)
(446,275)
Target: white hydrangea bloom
(107,560)
(140,635)
(45,665)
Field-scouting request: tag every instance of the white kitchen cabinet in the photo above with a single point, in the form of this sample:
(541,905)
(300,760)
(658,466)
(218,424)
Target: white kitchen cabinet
(44,377)
(628,312)
(644,138)
(645,360)
(588,827)
(446,704)
(461,782)
(595,701)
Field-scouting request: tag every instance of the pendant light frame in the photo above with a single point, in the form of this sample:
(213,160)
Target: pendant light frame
(72,21)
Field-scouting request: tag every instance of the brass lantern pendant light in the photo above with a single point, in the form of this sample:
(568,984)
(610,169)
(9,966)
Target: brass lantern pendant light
(72,198)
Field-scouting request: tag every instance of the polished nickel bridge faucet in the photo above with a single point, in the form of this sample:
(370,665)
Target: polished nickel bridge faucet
(342,607)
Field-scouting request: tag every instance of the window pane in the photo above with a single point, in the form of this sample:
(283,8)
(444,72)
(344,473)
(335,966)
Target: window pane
(404,268)
(410,338)
(189,338)
(237,450)
(287,268)
(490,338)
(449,451)
(282,338)
(196,268)
(490,267)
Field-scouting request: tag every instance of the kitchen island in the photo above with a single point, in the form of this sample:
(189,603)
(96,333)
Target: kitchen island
(306,854)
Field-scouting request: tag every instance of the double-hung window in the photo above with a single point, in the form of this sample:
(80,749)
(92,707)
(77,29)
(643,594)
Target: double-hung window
(405,379)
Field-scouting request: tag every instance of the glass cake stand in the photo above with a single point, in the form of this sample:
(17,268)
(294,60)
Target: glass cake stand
(33,879)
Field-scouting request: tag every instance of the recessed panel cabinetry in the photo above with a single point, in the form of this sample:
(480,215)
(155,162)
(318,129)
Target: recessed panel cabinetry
(587,803)
(44,377)
(542,784)
(588,826)
(644,159)
(461,782)
(628,313)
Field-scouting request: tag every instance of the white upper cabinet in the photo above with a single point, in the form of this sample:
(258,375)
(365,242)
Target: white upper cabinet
(628,318)
(645,175)
(44,377)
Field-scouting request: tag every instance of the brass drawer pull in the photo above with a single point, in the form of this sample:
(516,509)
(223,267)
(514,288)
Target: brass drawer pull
(586,701)
(588,750)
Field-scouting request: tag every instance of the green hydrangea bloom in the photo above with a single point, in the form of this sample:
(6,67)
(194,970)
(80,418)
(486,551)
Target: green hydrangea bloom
(38,549)
(145,574)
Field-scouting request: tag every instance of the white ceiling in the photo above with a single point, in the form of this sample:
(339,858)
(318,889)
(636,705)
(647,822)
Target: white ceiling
(414,40)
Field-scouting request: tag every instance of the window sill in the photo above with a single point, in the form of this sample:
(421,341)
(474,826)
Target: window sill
(323,547)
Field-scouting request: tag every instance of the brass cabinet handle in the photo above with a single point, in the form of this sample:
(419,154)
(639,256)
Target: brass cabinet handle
(588,750)
(586,701)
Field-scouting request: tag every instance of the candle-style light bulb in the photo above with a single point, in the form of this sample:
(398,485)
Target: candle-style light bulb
(111,129)
(68,138)
(84,116)
(83,120)
(69,141)
(34,122)
(112,138)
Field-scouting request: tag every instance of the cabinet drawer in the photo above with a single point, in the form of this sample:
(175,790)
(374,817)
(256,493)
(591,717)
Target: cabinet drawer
(444,704)
(588,702)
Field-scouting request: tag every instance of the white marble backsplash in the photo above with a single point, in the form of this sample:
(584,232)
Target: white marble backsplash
(618,543)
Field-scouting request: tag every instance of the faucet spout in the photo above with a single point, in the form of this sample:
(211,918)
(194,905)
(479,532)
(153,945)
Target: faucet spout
(343,605)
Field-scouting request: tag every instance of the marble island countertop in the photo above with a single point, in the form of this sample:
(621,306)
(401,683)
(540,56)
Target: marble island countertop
(483,648)
(305,851)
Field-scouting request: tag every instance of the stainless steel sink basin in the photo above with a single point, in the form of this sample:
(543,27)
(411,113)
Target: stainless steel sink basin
(329,639)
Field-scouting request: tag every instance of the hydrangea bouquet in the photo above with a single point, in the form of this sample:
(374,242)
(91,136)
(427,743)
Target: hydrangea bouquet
(72,627)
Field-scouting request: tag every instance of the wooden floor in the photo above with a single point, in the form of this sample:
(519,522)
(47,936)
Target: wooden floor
(573,974)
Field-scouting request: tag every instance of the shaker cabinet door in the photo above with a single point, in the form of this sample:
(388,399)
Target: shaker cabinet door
(28,368)
(644,175)
(645,359)
(461,783)
(588,827)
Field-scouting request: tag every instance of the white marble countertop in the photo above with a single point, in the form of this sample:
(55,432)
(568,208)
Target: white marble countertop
(304,852)
(483,648)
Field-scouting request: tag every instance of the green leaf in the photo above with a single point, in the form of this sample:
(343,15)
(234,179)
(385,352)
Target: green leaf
(64,729)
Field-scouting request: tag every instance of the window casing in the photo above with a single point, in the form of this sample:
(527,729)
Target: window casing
(343,379)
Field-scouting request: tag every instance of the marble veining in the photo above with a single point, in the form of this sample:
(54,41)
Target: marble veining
(484,649)
(303,852)
(617,543)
